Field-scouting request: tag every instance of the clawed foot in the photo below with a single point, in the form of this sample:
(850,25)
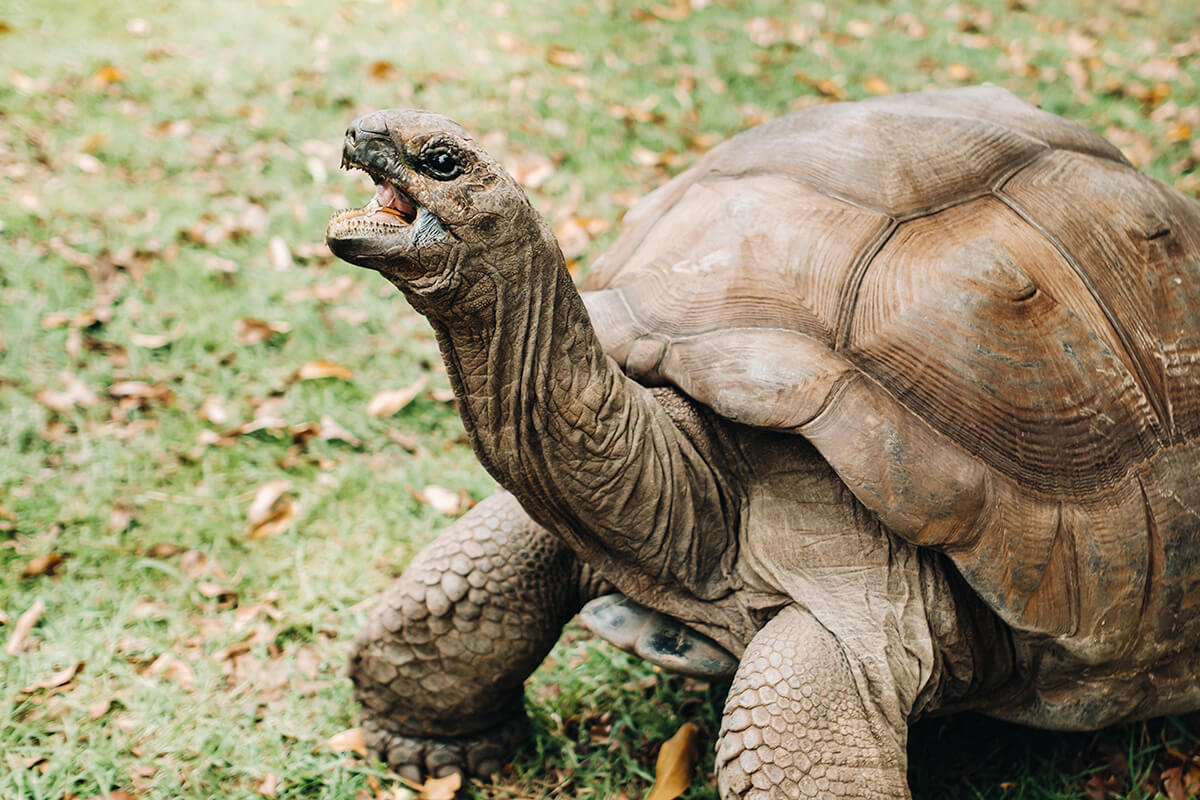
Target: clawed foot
(477,755)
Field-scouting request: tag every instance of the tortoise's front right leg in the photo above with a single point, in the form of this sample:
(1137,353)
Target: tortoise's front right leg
(440,664)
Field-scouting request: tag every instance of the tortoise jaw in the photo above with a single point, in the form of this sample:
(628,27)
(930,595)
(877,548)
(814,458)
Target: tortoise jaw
(388,228)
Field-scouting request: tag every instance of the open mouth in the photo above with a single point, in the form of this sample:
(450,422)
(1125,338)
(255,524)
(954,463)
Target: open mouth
(390,200)
(390,204)
(393,222)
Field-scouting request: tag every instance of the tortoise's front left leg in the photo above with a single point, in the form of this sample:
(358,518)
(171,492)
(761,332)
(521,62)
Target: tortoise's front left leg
(799,725)
(440,664)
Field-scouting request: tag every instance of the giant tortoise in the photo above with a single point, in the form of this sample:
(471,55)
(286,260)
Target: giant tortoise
(885,408)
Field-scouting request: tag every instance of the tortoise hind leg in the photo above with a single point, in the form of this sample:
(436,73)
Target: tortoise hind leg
(440,664)
(796,725)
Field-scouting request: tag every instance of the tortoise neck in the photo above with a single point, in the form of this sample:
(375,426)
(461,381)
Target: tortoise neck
(533,383)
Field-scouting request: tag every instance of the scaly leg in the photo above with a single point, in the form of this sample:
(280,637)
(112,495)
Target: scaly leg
(440,664)
(797,726)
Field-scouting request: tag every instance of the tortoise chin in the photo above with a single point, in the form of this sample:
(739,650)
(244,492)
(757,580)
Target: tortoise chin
(378,236)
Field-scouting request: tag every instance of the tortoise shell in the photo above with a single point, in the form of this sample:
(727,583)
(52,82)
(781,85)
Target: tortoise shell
(980,314)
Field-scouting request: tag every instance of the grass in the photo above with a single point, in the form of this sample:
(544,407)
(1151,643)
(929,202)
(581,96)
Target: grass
(167,170)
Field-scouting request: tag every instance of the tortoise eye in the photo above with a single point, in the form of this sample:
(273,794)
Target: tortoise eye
(441,163)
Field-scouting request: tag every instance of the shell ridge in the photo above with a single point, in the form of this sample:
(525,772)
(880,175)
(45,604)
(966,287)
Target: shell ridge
(852,287)
(1153,546)
(1141,371)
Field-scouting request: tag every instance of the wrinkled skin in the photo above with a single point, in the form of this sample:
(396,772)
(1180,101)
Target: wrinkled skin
(845,632)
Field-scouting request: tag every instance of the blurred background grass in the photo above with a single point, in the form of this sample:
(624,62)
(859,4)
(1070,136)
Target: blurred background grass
(193,488)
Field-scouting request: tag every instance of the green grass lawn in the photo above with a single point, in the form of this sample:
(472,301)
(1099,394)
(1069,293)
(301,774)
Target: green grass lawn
(192,486)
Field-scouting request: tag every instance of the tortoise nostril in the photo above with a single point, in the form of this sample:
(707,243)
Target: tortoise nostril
(351,136)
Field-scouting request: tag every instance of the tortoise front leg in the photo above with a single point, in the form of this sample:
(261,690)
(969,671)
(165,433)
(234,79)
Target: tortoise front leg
(797,724)
(440,664)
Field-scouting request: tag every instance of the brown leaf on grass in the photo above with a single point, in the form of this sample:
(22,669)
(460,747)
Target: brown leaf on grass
(383,71)
(1191,779)
(389,401)
(75,394)
(250,330)
(272,509)
(120,518)
(441,499)
(959,71)
(573,237)
(215,591)
(1179,132)
(170,668)
(117,795)
(351,739)
(18,640)
(350,316)
(148,608)
(279,254)
(564,57)
(825,86)
(139,390)
(409,441)
(530,170)
(320,368)
(153,341)
(877,85)
(676,760)
(45,564)
(99,708)
(437,788)
(1100,788)
(1172,784)
(213,410)
(269,785)
(107,75)
(196,565)
(58,679)
(329,430)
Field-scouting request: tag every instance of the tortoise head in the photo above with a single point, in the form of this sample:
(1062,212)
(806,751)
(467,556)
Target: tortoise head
(443,208)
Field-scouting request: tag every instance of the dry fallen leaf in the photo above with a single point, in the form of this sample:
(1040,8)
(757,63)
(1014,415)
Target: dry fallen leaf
(573,237)
(279,254)
(76,394)
(60,678)
(959,71)
(563,57)
(271,510)
(44,564)
(320,368)
(99,707)
(676,760)
(530,170)
(330,430)
(441,499)
(351,739)
(108,74)
(18,639)
(269,785)
(250,330)
(153,341)
(389,401)
(120,518)
(213,410)
(877,85)
(172,669)
(437,788)
(139,390)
